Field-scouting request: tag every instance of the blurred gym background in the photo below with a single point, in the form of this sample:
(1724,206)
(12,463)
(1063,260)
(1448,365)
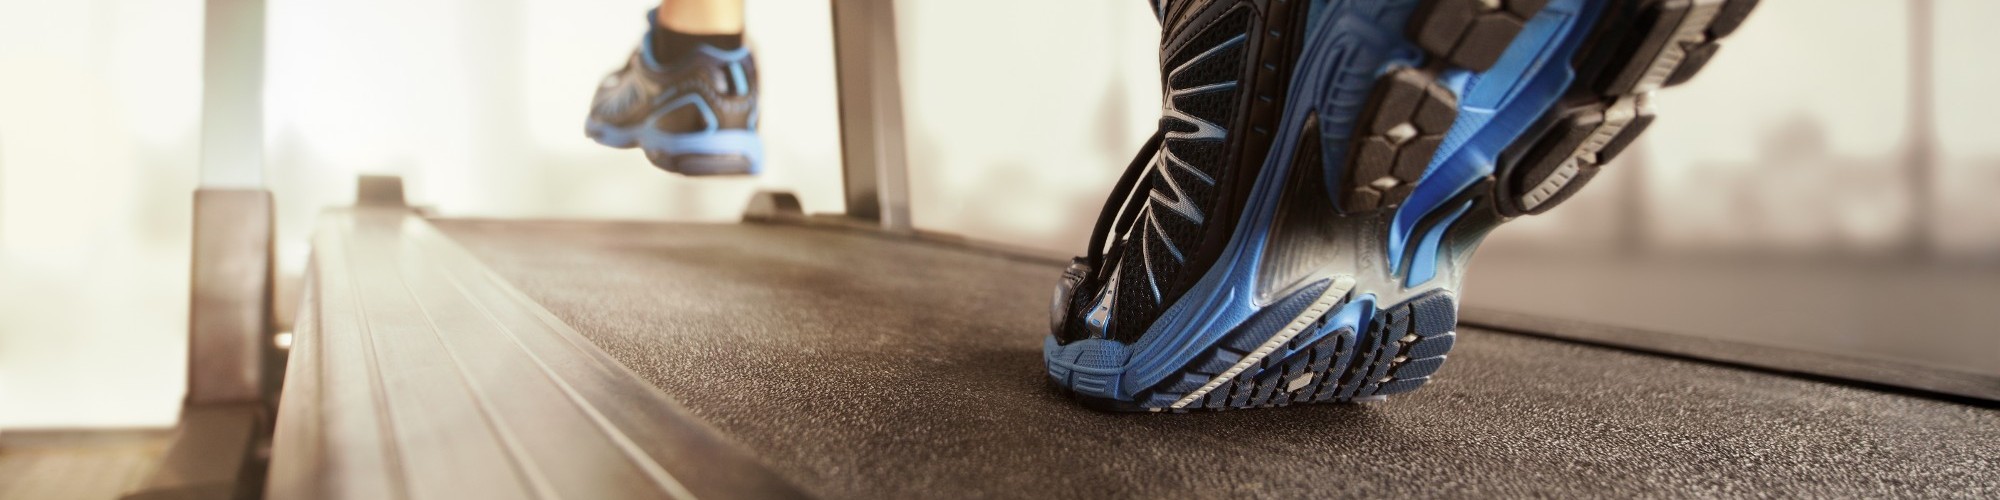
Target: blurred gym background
(1833,169)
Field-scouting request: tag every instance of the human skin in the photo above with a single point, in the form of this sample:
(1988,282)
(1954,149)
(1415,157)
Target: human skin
(702,17)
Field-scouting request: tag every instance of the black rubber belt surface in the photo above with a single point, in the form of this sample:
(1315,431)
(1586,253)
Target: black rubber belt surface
(865,367)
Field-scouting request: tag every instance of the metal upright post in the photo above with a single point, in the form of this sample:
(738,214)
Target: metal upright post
(1922,157)
(230,310)
(226,413)
(3,188)
(871,112)
(1634,229)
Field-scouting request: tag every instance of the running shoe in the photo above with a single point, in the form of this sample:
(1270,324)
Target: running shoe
(694,115)
(1297,229)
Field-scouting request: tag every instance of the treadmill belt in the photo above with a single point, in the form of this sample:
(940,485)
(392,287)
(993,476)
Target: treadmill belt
(863,366)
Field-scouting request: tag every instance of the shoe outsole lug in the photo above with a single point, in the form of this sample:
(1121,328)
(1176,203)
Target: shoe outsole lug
(1408,115)
(1470,33)
(1433,346)
(1665,43)
(1732,16)
(1569,154)
(1697,58)
(1655,44)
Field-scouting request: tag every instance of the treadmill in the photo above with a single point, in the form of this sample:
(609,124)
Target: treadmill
(852,355)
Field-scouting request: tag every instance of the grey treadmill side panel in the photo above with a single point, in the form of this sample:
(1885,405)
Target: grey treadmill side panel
(417,373)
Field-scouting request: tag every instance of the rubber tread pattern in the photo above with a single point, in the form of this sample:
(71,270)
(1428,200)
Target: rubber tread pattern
(1731,17)
(1405,123)
(1471,33)
(1569,154)
(1397,352)
(1649,52)
(1653,44)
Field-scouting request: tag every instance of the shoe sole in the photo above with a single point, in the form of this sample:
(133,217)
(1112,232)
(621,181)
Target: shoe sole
(1431,168)
(705,154)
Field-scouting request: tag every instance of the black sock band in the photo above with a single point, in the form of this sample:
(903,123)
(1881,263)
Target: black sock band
(670,45)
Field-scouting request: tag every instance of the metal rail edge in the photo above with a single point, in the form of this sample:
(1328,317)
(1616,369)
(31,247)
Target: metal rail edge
(416,372)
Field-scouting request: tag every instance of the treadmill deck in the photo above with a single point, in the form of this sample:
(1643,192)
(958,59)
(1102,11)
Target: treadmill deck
(859,365)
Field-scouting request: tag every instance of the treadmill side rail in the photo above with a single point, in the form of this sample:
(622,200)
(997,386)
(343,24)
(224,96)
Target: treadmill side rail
(417,373)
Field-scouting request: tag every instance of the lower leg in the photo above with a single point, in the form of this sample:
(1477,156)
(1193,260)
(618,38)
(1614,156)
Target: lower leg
(702,17)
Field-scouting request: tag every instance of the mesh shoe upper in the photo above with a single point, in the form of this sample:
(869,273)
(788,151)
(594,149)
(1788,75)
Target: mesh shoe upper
(1183,203)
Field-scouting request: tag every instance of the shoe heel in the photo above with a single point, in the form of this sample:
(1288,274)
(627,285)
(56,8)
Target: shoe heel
(703,165)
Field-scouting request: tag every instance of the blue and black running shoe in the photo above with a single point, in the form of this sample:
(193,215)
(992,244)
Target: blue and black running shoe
(1297,229)
(693,114)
